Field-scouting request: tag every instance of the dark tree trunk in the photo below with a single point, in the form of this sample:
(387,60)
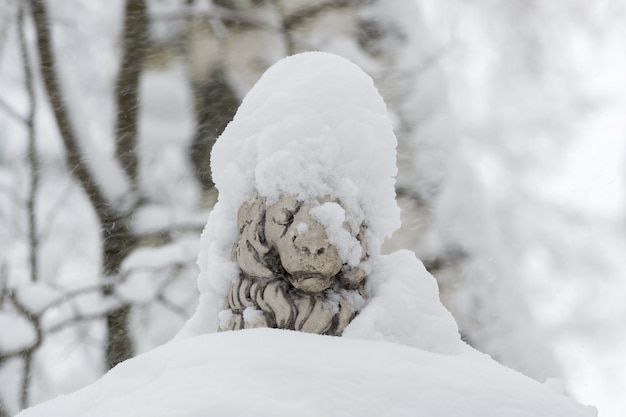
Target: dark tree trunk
(215,106)
(135,40)
(118,240)
(117,243)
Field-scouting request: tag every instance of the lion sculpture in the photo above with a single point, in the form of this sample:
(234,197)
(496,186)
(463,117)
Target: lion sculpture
(291,276)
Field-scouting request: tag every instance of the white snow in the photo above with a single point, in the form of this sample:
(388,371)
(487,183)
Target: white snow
(302,228)
(332,216)
(268,372)
(405,308)
(252,315)
(313,126)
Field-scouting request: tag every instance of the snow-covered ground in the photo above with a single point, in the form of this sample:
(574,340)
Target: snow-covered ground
(268,372)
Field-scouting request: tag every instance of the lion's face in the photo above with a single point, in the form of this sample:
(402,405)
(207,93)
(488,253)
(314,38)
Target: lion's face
(310,261)
(287,230)
(290,272)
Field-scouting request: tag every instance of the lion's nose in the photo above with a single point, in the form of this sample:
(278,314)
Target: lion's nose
(311,253)
(310,244)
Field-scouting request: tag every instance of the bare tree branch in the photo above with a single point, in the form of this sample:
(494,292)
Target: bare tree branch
(75,160)
(178,310)
(33,160)
(30,317)
(167,235)
(78,320)
(27,352)
(26,378)
(449,258)
(69,296)
(228,17)
(312,11)
(4,282)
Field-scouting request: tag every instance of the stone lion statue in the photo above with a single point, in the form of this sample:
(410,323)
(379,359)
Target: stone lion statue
(291,276)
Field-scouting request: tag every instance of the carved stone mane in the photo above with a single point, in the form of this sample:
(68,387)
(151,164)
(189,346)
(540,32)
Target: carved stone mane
(291,276)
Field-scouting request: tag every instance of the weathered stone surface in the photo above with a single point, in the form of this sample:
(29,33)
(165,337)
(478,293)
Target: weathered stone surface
(305,254)
(252,246)
(291,276)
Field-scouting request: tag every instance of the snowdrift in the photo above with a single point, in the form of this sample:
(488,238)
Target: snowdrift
(268,372)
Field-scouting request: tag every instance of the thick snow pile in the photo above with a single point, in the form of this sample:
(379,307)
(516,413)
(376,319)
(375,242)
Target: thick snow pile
(405,308)
(315,127)
(268,372)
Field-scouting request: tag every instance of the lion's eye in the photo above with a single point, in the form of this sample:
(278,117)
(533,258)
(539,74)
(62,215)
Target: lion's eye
(285,218)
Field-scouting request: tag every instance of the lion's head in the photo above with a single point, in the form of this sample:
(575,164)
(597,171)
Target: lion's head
(291,275)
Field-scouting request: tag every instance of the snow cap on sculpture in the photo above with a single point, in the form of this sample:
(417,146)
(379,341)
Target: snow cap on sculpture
(313,125)
(313,131)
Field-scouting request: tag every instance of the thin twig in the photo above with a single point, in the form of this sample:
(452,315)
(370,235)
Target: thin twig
(168,233)
(80,319)
(26,378)
(69,296)
(33,160)
(4,282)
(178,310)
(26,352)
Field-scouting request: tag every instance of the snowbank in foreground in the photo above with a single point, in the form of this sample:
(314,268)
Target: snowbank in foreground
(268,372)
